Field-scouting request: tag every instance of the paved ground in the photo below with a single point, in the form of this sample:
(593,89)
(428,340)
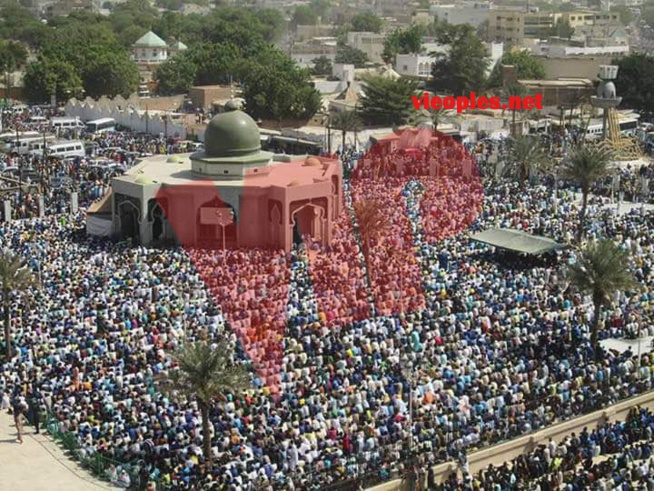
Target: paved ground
(39,464)
(622,345)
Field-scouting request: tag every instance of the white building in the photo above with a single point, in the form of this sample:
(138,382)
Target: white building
(419,65)
(473,13)
(150,49)
(563,51)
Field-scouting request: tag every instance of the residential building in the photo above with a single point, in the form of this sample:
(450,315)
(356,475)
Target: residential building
(506,26)
(303,33)
(473,13)
(422,17)
(412,65)
(371,43)
(588,18)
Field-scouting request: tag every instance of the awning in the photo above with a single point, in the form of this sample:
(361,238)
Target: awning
(516,240)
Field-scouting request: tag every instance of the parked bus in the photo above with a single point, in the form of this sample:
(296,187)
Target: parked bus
(66,123)
(10,136)
(628,127)
(66,149)
(22,146)
(103,125)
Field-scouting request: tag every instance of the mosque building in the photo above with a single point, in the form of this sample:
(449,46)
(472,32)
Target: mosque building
(229,194)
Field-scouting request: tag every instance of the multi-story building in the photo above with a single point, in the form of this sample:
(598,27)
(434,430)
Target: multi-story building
(507,26)
(473,13)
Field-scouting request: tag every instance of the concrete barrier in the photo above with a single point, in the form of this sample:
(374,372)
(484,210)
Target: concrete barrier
(507,451)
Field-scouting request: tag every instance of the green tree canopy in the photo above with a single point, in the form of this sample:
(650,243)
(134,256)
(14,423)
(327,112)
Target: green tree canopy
(527,67)
(47,77)
(349,55)
(600,271)
(403,41)
(175,76)
(275,88)
(463,69)
(304,15)
(366,22)
(635,82)
(322,66)
(562,29)
(386,101)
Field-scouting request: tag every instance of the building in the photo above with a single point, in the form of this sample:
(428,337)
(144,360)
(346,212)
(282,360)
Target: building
(473,13)
(507,26)
(150,49)
(371,43)
(305,53)
(201,199)
(422,17)
(420,65)
(589,18)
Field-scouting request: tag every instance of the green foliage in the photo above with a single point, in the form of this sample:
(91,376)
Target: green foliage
(350,55)
(47,77)
(626,16)
(275,88)
(304,15)
(366,22)
(386,101)
(17,23)
(527,67)
(170,4)
(463,69)
(13,55)
(635,82)
(403,41)
(526,157)
(322,66)
(600,271)
(110,74)
(562,29)
(585,165)
(214,63)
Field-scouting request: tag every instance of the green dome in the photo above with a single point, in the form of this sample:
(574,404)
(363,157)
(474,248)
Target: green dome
(232,134)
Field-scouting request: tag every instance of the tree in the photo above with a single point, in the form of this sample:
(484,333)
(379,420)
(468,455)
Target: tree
(322,66)
(304,15)
(15,278)
(205,374)
(635,82)
(345,121)
(600,271)
(366,22)
(562,29)
(45,78)
(584,166)
(525,157)
(351,56)
(403,41)
(110,74)
(463,69)
(527,67)
(275,88)
(514,90)
(175,76)
(12,56)
(371,222)
(386,101)
(626,15)
(214,63)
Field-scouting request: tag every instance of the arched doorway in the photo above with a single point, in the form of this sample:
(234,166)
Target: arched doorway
(307,221)
(129,220)
(212,233)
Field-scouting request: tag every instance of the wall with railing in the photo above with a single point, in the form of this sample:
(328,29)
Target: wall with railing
(505,452)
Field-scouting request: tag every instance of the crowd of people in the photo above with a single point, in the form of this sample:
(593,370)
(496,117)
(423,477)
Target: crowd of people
(612,456)
(429,346)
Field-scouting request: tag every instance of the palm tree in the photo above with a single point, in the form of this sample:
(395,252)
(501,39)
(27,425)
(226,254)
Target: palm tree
(585,165)
(345,121)
(514,90)
(205,374)
(433,117)
(370,222)
(15,277)
(525,157)
(601,271)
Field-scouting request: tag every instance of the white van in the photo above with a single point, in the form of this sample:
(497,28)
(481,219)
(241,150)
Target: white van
(22,146)
(37,120)
(66,149)
(10,136)
(66,123)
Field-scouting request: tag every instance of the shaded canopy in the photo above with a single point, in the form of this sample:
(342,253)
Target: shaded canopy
(516,240)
